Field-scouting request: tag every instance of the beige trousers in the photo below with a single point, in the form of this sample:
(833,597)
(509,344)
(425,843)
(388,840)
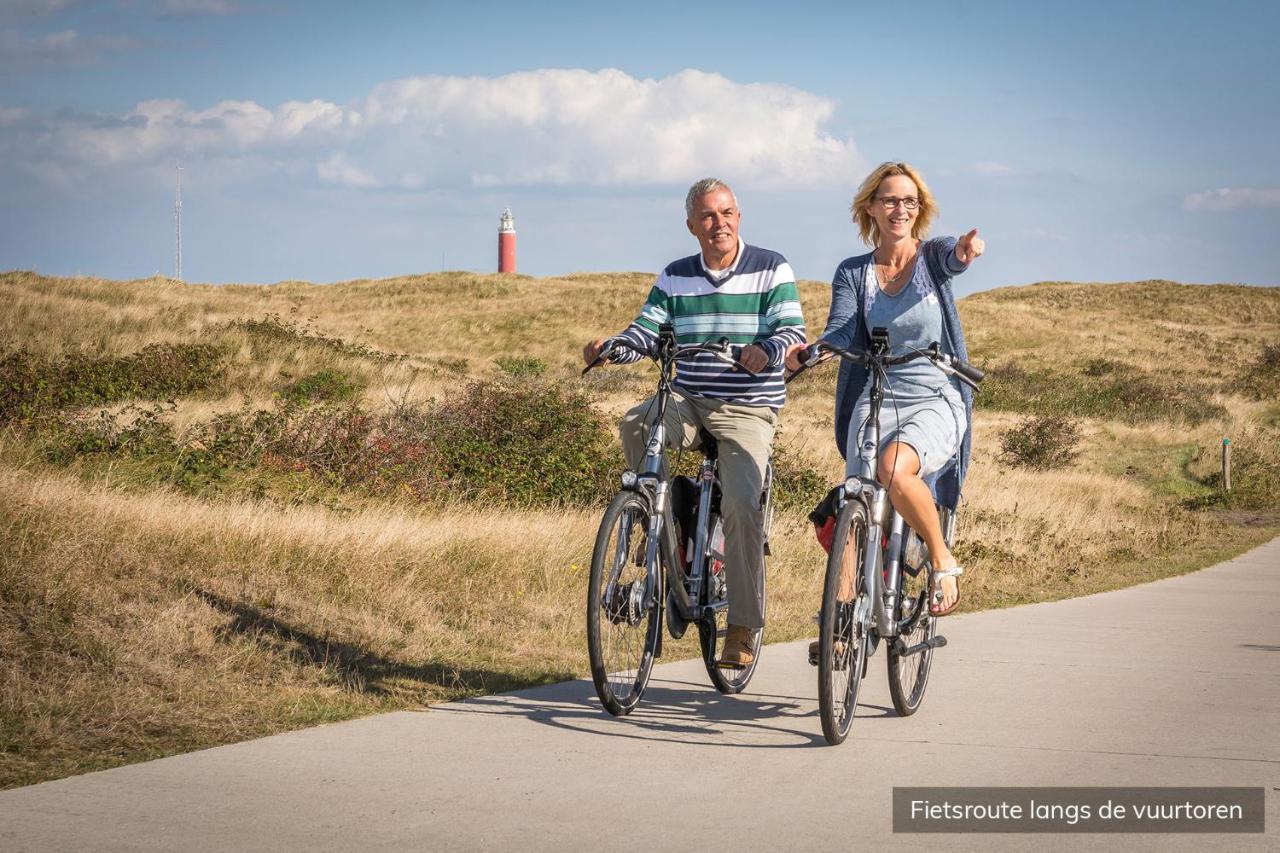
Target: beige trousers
(745,434)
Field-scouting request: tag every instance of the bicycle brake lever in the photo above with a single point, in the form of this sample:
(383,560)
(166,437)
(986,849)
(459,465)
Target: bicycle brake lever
(946,368)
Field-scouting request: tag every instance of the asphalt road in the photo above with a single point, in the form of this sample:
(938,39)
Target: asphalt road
(1174,683)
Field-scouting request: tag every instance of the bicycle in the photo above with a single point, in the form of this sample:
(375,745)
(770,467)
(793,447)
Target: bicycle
(873,588)
(648,568)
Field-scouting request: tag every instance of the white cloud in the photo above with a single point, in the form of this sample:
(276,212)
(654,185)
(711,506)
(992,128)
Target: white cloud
(192,8)
(1040,233)
(338,170)
(1231,199)
(38,8)
(991,169)
(14,116)
(546,127)
(65,47)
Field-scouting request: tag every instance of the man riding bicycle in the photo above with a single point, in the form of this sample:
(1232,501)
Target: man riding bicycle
(748,295)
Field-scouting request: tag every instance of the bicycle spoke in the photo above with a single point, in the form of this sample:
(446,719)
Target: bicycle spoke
(909,674)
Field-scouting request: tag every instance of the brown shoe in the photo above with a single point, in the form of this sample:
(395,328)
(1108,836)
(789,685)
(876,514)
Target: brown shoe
(737,653)
(815,652)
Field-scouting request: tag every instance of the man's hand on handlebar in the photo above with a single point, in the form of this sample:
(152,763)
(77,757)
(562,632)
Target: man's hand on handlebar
(753,358)
(592,350)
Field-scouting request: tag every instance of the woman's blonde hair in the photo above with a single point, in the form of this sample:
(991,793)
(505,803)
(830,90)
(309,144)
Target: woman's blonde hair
(867,228)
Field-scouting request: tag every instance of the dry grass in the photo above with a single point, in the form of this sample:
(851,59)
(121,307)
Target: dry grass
(139,625)
(138,622)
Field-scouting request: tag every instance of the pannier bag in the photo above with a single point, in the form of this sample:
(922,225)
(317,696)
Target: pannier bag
(824,518)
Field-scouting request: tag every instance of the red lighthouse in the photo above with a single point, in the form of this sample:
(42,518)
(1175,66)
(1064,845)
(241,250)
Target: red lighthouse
(507,243)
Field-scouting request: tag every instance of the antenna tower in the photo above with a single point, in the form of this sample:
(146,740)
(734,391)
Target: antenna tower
(177,225)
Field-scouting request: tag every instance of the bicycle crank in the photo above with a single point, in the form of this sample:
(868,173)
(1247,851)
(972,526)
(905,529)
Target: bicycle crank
(903,650)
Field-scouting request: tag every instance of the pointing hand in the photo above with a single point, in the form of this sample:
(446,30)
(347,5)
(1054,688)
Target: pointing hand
(969,247)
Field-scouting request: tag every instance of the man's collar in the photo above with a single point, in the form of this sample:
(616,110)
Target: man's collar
(721,275)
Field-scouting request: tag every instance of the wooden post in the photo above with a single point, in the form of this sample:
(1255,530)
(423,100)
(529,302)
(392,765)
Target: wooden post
(1226,464)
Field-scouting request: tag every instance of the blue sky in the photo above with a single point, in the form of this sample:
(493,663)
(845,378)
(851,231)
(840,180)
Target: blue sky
(327,141)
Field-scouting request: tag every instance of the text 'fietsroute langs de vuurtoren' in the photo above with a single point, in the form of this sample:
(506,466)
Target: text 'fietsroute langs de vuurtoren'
(1078,810)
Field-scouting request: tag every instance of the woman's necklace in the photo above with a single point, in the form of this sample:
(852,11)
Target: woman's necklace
(889,278)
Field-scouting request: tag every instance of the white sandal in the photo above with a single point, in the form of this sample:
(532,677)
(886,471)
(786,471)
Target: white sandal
(935,591)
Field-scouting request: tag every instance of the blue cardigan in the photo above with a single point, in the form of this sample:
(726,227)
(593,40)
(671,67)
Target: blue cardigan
(846,328)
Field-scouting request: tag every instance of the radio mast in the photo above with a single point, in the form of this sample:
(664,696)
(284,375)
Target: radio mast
(177,225)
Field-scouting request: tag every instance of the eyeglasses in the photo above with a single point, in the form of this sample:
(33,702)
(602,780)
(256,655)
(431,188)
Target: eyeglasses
(890,202)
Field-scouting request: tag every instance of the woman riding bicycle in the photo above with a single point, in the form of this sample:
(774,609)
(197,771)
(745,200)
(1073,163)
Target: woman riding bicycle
(925,419)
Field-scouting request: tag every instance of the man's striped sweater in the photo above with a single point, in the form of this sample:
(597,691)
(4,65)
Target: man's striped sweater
(756,303)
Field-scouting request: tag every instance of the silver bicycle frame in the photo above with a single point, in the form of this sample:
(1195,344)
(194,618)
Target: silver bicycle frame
(880,516)
(882,565)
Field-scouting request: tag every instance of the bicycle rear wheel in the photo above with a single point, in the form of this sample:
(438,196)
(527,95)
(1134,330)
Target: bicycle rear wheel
(622,632)
(842,639)
(909,674)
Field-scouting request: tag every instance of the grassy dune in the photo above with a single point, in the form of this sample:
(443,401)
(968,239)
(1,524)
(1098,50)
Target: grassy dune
(143,614)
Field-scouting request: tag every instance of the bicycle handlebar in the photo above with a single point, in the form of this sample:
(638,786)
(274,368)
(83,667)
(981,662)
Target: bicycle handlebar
(721,349)
(951,365)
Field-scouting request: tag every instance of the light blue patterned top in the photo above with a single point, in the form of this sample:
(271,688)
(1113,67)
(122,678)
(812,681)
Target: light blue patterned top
(913,317)
(846,328)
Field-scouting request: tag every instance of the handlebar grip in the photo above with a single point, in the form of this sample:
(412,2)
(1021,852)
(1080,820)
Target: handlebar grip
(967,370)
(809,354)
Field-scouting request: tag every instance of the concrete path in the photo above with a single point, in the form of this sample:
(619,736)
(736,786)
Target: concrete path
(1172,683)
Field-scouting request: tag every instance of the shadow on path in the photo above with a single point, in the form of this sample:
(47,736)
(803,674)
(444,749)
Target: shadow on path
(671,711)
(358,668)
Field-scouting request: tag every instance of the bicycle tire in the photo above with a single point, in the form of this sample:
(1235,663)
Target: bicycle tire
(711,638)
(909,674)
(622,634)
(842,642)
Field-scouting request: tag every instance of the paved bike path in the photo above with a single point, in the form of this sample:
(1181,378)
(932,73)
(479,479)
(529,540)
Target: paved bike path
(1172,683)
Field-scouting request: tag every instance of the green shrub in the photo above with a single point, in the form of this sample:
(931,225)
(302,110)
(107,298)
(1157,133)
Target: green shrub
(1099,367)
(522,442)
(521,366)
(132,431)
(504,441)
(1102,389)
(1041,442)
(1255,472)
(525,443)
(796,485)
(31,386)
(1261,379)
(325,385)
(281,330)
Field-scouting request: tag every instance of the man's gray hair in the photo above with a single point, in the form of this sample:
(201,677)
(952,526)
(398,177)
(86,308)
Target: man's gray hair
(703,187)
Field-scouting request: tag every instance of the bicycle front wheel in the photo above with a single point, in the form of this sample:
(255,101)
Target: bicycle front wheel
(622,630)
(843,624)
